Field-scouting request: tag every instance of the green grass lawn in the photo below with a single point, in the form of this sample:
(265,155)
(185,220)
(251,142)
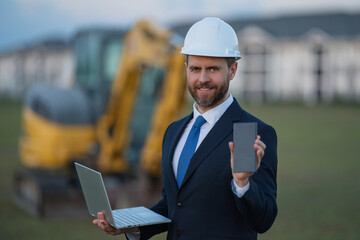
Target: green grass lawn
(318,187)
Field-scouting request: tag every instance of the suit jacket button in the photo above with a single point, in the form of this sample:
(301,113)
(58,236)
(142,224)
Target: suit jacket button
(178,233)
(179,205)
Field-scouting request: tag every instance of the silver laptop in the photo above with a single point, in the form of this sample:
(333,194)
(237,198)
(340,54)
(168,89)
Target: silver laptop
(97,200)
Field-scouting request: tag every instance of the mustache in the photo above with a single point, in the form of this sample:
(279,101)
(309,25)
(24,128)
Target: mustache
(204,85)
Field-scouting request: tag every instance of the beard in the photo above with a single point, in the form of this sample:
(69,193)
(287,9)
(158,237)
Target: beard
(211,99)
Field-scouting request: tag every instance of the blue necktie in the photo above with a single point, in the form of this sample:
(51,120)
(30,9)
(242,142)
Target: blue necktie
(189,149)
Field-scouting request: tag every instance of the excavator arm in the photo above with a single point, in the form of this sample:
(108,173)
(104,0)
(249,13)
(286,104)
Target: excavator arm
(145,45)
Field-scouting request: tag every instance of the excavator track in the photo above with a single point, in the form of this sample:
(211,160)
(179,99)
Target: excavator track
(48,195)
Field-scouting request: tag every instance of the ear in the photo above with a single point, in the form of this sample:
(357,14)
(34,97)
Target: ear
(232,70)
(186,67)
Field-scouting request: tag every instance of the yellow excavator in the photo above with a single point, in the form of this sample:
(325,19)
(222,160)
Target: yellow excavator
(129,87)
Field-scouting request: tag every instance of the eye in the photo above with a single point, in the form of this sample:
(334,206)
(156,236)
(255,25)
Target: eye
(194,69)
(214,69)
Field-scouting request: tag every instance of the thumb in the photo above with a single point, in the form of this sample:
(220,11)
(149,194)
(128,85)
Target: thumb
(101,216)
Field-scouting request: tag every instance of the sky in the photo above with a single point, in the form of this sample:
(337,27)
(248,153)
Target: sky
(29,21)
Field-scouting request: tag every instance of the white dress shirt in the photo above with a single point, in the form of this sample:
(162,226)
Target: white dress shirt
(211,117)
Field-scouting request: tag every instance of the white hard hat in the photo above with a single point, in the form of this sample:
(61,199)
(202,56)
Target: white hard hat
(211,37)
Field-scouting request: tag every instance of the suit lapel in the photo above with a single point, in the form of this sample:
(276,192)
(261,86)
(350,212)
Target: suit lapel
(217,134)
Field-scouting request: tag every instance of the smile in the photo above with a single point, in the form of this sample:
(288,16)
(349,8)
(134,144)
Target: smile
(204,90)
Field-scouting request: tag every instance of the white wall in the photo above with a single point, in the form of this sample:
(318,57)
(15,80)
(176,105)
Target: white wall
(292,65)
(21,69)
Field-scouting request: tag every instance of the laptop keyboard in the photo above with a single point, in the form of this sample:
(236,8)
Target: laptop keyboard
(127,219)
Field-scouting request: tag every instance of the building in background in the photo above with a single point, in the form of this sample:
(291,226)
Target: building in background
(50,62)
(309,58)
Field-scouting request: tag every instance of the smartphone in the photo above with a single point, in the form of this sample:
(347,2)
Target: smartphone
(244,153)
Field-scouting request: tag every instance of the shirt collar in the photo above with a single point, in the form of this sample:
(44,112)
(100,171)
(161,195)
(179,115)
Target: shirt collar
(214,114)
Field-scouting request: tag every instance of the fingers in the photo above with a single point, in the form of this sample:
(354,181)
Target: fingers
(103,224)
(231,146)
(259,147)
(259,152)
(101,220)
(107,228)
(260,143)
(101,216)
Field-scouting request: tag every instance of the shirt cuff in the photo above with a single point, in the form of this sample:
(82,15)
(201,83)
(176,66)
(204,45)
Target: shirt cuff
(239,191)
(133,235)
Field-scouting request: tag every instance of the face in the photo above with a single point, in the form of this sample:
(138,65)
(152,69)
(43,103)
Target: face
(208,80)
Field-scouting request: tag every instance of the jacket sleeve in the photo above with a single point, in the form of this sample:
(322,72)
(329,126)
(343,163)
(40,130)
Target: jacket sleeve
(258,204)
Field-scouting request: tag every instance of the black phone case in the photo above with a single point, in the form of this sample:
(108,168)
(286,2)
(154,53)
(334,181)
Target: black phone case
(244,152)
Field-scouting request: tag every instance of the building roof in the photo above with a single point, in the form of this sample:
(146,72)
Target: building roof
(334,24)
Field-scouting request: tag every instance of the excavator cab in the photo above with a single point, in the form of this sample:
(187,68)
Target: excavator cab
(97,59)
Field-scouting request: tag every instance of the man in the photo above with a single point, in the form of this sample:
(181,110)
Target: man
(202,196)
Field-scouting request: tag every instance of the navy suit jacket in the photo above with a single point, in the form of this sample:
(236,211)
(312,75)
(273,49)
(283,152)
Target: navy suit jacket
(205,206)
